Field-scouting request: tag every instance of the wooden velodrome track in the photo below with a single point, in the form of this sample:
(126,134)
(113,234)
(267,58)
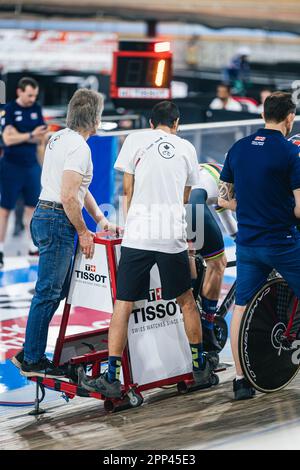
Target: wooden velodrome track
(200,420)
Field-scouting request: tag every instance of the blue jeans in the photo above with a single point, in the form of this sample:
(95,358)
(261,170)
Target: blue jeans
(254,264)
(53,234)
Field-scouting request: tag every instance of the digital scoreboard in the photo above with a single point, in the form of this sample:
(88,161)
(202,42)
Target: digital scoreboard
(142,70)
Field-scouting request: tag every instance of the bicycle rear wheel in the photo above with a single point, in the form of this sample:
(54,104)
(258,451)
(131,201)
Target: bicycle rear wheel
(267,359)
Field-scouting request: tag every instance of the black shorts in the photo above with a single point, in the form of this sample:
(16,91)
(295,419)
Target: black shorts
(133,280)
(213,246)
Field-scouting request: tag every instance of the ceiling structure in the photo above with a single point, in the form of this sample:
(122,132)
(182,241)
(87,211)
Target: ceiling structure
(267,14)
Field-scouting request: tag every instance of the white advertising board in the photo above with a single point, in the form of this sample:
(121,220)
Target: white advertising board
(157,343)
(158,346)
(90,283)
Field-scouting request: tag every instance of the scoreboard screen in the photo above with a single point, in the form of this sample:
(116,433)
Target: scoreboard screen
(143,72)
(142,75)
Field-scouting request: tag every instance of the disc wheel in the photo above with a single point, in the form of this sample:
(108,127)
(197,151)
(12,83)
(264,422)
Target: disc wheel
(267,359)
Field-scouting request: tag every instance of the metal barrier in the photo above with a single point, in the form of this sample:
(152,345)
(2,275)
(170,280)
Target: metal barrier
(211,140)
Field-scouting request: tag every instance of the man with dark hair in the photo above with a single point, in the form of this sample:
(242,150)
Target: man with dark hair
(261,180)
(159,170)
(224,100)
(23,128)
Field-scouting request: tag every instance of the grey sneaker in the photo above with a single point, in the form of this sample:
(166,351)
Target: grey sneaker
(213,358)
(88,383)
(103,386)
(203,377)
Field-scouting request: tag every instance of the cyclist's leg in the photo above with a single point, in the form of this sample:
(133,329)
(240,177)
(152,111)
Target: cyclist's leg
(210,245)
(252,272)
(213,252)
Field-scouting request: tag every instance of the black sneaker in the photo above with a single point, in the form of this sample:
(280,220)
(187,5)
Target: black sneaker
(18,359)
(34,253)
(1,259)
(210,341)
(43,368)
(103,386)
(242,389)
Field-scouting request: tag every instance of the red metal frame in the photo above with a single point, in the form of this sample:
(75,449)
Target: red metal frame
(96,358)
(291,320)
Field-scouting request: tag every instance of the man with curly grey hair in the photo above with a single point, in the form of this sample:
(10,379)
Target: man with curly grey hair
(66,175)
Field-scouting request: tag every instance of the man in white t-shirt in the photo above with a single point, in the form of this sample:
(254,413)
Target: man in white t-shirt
(159,170)
(224,100)
(66,175)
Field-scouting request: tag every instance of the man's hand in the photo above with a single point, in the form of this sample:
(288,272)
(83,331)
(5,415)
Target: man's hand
(110,227)
(86,241)
(39,132)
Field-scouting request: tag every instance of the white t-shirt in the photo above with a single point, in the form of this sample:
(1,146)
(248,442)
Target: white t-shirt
(66,150)
(162,165)
(231,105)
(209,179)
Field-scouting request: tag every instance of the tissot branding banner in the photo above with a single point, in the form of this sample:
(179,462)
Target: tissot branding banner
(157,342)
(90,284)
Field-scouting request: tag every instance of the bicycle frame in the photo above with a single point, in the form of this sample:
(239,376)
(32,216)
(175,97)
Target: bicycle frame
(225,306)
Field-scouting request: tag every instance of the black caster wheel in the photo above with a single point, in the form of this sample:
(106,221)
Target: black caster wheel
(182,387)
(221,330)
(135,400)
(109,406)
(214,380)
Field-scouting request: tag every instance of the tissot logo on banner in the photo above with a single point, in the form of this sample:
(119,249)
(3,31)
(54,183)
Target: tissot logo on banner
(90,267)
(156,309)
(90,276)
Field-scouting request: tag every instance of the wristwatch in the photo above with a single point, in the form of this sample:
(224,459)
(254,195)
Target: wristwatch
(30,135)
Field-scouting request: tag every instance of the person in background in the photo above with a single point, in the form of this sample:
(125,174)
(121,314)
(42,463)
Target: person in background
(191,57)
(263,95)
(23,129)
(224,100)
(237,74)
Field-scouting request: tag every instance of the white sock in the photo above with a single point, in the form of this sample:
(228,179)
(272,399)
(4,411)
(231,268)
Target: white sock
(239,377)
(2,246)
